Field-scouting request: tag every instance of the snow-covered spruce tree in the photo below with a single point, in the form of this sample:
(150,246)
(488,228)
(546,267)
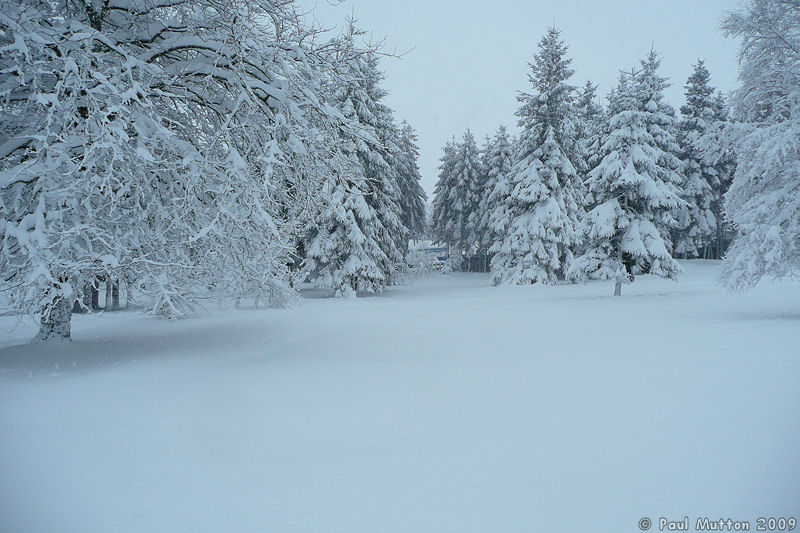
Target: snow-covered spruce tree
(479,232)
(338,243)
(149,143)
(662,126)
(630,196)
(696,222)
(590,127)
(466,196)
(353,243)
(499,160)
(342,252)
(544,206)
(442,212)
(412,195)
(380,166)
(715,149)
(764,199)
(455,197)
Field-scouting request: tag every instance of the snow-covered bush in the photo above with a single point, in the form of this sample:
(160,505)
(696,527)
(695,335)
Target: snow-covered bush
(421,263)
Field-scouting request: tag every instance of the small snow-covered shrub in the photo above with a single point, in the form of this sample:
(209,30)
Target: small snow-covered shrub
(421,263)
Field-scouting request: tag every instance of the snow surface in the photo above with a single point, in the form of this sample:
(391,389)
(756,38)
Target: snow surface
(444,406)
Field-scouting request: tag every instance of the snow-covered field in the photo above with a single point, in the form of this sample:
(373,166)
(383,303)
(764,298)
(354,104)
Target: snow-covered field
(443,406)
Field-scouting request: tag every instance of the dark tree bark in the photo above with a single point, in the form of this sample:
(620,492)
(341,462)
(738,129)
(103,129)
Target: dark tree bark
(115,297)
(95,296)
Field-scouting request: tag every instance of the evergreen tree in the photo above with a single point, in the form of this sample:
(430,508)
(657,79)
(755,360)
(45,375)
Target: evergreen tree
(441,218)
(456,198)
(724,162)
(353,242)
(342,251)
(412,196)
(590,127)
(662,126)
(499,160)
(379,165)
(480,239)
(464,197)
(544,205)
(631,196)
(696,221)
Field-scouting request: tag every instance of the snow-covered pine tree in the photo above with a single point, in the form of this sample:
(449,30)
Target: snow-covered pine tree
(455,197)
(499,160)
(352,240)
(442,215)
(544,206)
(342,252)
(466,196)
(630,195)
(412,195)
(696,222)
(590,127)
(480,232)
(764,199)
(662,126)
(724,161)
(380,166)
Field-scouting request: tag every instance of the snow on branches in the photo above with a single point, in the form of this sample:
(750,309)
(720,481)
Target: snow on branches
(175,145)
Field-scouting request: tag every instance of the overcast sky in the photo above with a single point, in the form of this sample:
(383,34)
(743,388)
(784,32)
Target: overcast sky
(467,59)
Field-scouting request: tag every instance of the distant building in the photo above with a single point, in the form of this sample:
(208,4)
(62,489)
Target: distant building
(434,251)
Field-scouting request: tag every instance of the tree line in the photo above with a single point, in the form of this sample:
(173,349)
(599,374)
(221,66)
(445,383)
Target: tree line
(587,191)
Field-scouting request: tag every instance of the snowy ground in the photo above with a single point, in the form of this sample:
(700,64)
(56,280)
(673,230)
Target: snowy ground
(445,406)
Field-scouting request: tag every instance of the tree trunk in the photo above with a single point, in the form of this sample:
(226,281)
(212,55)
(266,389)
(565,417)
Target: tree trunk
(95,295)
(55,323)
(87,298)
(621,259)
(115,297)
(109,296)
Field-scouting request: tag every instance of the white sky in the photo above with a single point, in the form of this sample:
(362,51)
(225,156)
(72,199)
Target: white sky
(467,59)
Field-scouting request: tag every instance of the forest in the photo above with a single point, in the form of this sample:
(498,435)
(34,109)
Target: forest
(197,150)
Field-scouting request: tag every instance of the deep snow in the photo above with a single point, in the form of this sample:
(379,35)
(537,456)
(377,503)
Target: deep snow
(444,406)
